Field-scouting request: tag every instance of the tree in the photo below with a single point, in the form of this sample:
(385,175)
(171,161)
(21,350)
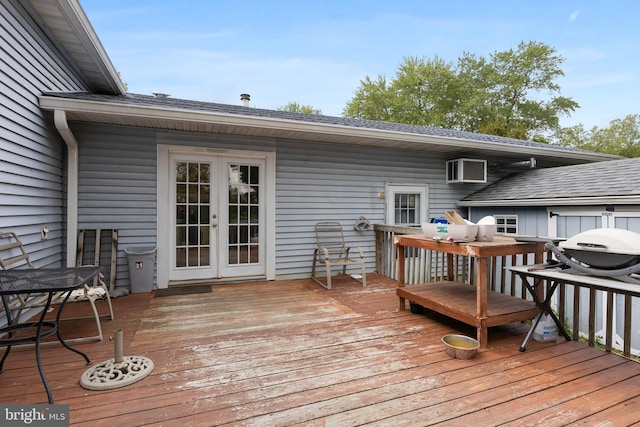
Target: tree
(294,107)
(622,137)
(424,92)
(511,93)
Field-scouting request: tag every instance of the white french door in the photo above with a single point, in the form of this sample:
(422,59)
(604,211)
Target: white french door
(194,196)
(216,217)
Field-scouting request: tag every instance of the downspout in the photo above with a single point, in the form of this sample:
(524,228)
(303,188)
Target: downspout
(60,121)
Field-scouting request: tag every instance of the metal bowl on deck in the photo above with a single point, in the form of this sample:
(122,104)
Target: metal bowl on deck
(460,346)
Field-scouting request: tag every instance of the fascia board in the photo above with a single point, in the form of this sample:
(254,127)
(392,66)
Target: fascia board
(567,201)
(83,29)
(113,109)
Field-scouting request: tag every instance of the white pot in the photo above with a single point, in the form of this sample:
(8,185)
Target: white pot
(486,232)
(453,231)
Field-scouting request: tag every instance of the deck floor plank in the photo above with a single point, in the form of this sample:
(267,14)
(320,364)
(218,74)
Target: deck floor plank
(293,353)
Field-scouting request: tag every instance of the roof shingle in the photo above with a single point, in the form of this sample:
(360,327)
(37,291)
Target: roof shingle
(600,179)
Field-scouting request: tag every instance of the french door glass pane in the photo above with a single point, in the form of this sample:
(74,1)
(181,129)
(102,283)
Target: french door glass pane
(192,233)
(244,217)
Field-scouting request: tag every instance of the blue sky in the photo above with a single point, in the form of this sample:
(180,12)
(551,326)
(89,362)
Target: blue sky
(317,52)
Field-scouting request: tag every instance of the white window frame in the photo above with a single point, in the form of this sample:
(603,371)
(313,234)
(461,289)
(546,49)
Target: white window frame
(390,191)
(503,227)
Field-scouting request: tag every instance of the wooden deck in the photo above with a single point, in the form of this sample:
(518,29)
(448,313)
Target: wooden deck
(291,352)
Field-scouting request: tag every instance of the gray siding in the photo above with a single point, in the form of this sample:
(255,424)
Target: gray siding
(31,165)
(314,182)
(317,182)
(117,186)
(118,178)
(531,220)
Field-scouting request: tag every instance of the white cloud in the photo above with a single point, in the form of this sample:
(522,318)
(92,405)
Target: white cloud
(574,15)
(604,79)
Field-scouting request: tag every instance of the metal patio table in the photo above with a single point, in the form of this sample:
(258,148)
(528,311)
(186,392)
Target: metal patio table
(47,281)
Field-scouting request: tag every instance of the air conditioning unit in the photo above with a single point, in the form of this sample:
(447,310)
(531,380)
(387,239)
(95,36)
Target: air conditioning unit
(466,171)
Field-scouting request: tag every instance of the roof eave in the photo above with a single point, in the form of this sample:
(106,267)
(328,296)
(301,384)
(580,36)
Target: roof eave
(170,114)
(85,42)
(565,201)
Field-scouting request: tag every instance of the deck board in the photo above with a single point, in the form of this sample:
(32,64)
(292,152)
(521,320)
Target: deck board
(291,352)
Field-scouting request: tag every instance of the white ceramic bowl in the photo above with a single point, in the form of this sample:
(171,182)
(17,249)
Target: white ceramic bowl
(487,220)
(454,231)
(486,232)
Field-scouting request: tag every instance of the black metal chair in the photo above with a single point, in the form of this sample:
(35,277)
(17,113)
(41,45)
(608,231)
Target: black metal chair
(14,255)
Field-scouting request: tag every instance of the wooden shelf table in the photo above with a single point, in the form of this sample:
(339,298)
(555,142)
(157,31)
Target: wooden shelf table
(474,305)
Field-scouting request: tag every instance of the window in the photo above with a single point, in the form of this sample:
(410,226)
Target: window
(507,224)
(406,204)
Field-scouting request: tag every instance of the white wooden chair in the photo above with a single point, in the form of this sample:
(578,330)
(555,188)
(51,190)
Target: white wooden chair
(331,250)
(14,255)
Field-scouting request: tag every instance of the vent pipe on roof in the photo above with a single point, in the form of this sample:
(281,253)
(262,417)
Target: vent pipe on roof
(245,98)
(160,95)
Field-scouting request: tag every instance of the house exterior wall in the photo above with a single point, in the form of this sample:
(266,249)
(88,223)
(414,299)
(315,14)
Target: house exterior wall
(317,182)
(531,220)
(33,155)
(314,182)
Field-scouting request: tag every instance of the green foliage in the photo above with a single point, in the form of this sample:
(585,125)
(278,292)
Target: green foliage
(294,107)
(622,137)
(125,84)
(511,93)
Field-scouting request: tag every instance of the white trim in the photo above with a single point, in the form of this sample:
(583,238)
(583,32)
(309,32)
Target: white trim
(567,201)
(163,216)
(506,218)
(298,129)
(164,153)
(390,189)
(606,216)
(235,270)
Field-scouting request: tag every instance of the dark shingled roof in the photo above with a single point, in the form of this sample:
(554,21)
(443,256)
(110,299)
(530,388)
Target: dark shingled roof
(239,110)
(602,179)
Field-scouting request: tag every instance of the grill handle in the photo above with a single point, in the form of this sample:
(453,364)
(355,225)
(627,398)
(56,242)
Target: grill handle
(592,245)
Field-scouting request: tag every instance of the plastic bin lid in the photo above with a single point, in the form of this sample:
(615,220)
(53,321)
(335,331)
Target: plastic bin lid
(139,250)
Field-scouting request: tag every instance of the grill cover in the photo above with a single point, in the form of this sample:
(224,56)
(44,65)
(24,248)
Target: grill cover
(605,248)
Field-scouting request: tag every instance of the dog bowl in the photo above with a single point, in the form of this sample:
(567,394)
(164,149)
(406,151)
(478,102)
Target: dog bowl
(460,346)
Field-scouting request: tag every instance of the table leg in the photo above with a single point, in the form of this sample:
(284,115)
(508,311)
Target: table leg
(38,359)
(482,296)
(534,324)
(483,337)
(400,274)
(7,311)
(62,341)
(544,307)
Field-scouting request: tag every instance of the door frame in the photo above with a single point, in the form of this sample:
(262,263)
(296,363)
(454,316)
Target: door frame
(164,204)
